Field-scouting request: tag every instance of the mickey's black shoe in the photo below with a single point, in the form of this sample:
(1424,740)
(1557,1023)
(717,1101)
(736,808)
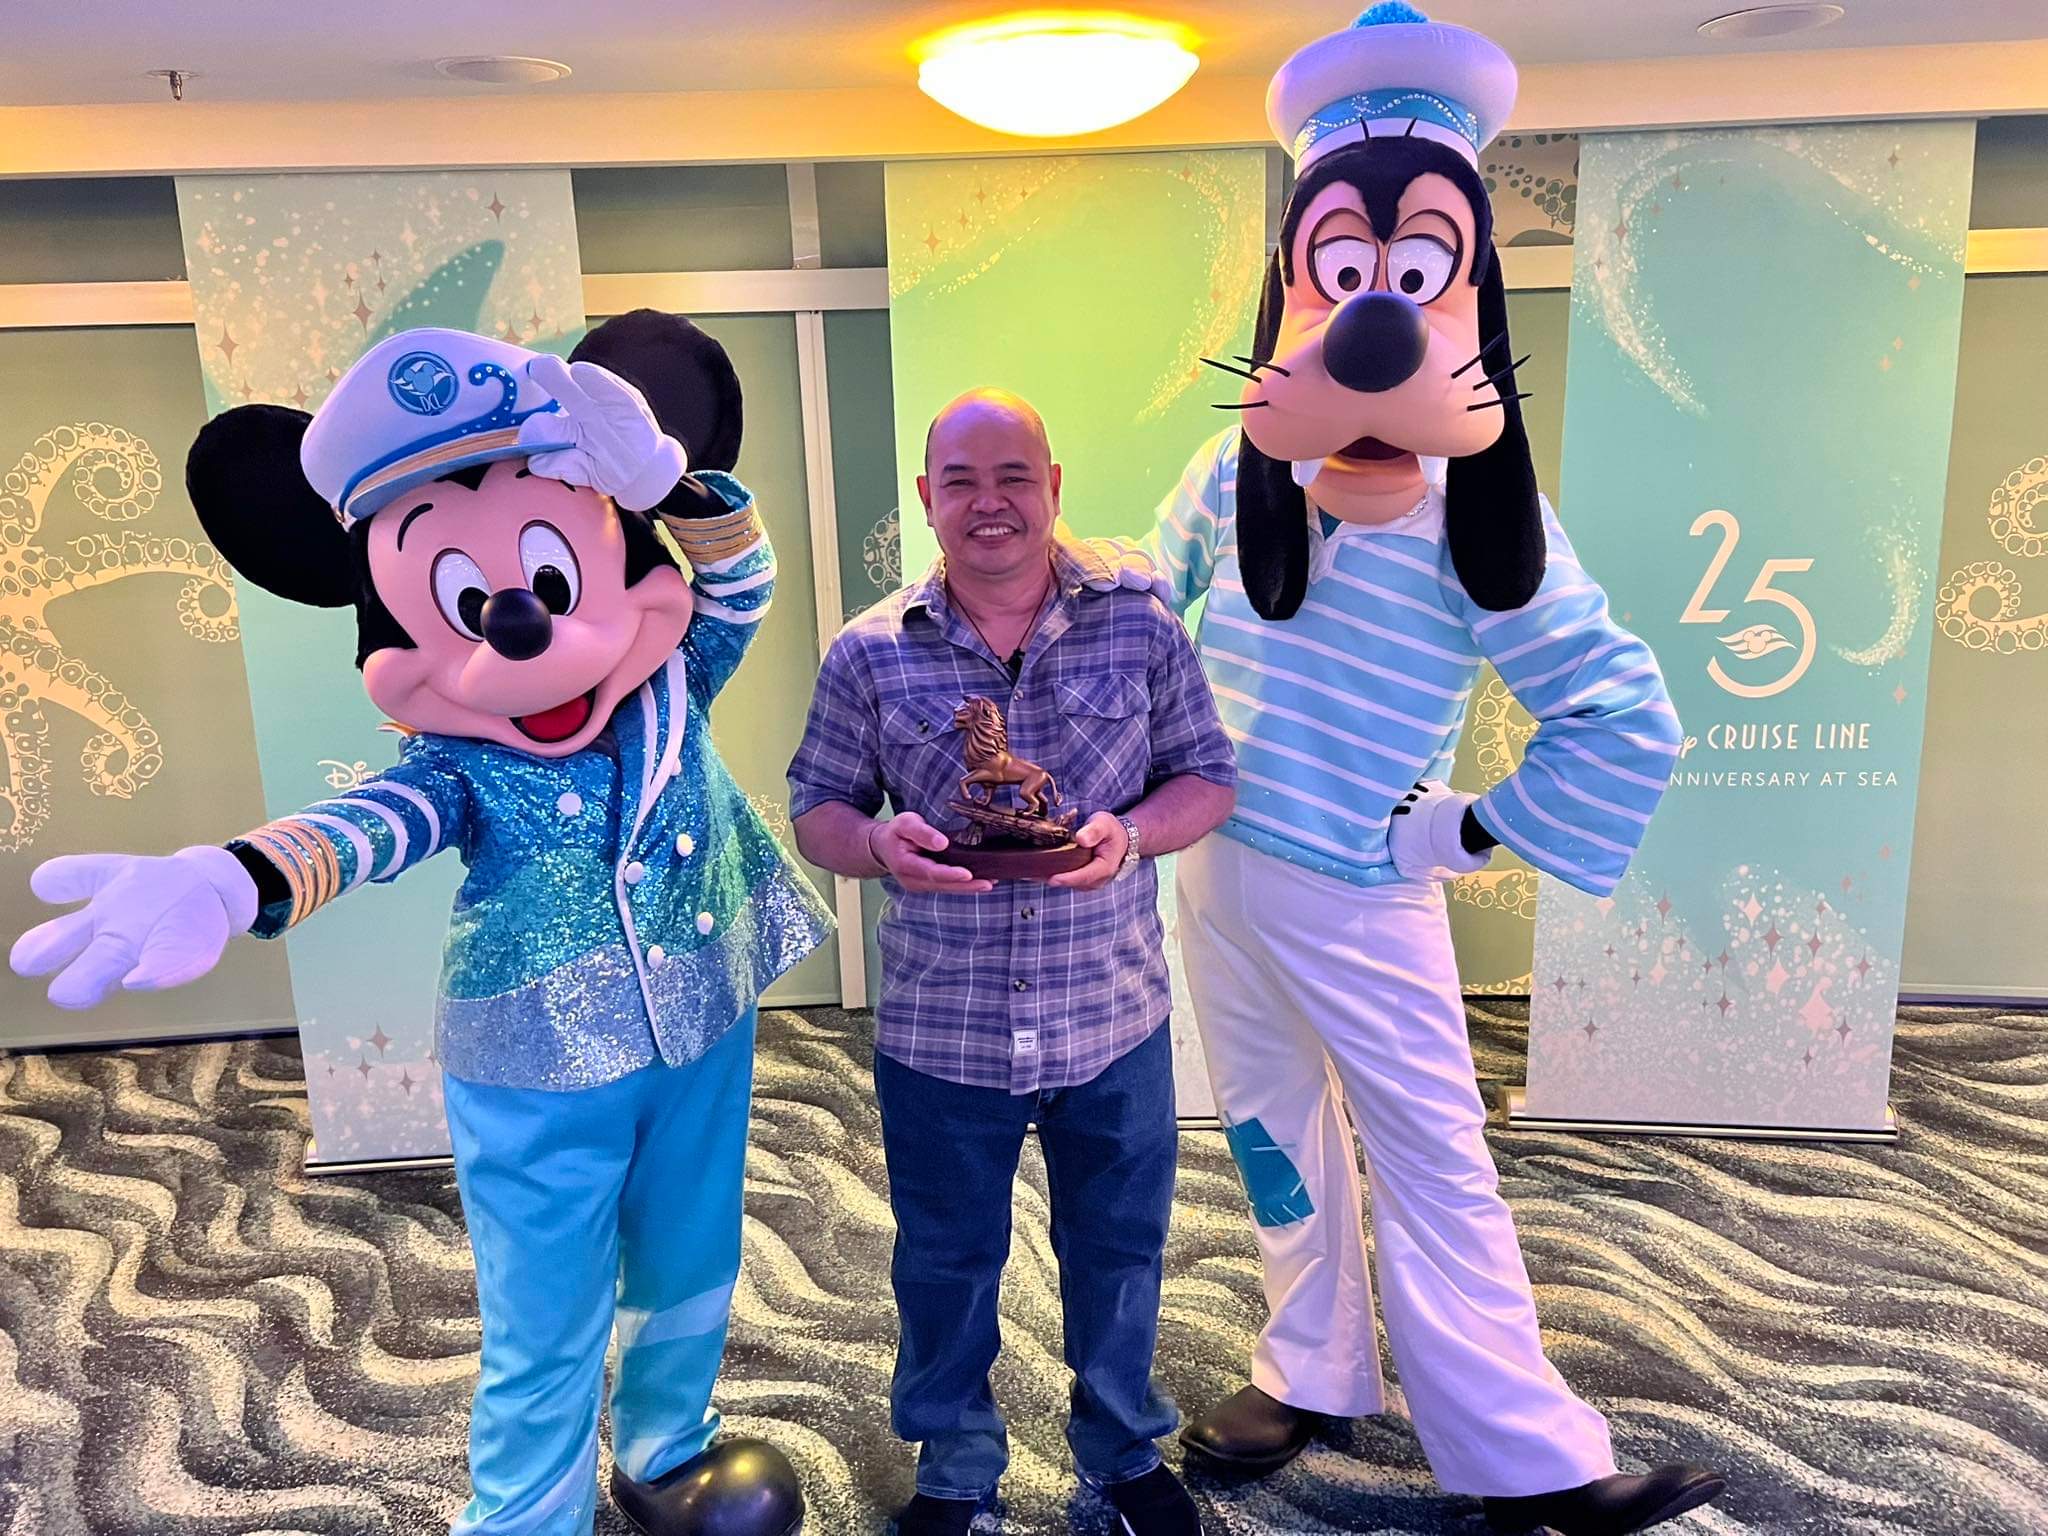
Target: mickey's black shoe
(1154,1505)
(736,1488)
(1249,1434)
(929,1515)
(1612,1506)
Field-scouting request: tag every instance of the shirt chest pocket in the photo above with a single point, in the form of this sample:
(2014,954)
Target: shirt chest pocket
(1108,721)
(922,757)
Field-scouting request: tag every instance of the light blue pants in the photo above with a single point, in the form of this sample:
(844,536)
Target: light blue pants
(626,1199)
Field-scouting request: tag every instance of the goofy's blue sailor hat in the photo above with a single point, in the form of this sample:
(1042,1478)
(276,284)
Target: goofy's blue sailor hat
(413,408)
(1392,72)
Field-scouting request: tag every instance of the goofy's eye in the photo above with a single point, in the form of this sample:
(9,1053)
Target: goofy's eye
(459,592)
(1420,266)
(1343,266)
(550,567)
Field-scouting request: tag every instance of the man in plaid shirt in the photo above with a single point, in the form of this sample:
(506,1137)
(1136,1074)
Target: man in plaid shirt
(1019,1003)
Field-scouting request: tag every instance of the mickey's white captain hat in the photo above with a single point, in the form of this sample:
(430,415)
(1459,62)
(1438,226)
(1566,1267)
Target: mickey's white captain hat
(413,408)
(1392,72)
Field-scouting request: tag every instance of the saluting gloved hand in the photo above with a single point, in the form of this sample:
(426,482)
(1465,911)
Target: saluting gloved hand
(147,923)
(1122,564)
(1425,839)
(604,436)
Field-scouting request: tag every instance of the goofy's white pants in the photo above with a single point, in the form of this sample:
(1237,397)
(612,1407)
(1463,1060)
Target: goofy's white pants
(1312,995)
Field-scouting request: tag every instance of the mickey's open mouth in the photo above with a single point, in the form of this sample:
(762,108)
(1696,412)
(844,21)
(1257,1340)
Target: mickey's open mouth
(559,723)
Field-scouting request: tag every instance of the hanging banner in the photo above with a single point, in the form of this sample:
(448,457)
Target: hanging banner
(1759,399)
(293,278)
(998,276)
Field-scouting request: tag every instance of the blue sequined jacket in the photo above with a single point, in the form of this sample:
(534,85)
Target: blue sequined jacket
(617,910)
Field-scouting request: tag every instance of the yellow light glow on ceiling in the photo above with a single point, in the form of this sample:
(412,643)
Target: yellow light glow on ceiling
(1055,74)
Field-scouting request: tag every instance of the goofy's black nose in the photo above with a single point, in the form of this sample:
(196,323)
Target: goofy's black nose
(1375,341)
(516,624)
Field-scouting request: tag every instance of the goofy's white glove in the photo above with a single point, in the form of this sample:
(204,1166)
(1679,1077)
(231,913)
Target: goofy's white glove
(148,922)
(1425,838)
(1120,563)
(604,436)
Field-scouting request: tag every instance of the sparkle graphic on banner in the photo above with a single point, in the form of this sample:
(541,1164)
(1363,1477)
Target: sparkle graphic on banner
(1791,989)
(1898,555)
(351,244)
(1900,213)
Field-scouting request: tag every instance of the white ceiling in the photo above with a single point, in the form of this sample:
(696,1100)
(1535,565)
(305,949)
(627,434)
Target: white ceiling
(92,51)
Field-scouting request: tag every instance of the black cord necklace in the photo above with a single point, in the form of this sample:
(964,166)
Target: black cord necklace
(1015,665)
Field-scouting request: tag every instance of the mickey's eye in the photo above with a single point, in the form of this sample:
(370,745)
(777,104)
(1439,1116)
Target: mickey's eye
(550,567)
(1420,266)
(1343,266)
(459,592)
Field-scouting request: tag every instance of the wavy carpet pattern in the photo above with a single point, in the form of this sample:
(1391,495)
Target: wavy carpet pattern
(196,1339)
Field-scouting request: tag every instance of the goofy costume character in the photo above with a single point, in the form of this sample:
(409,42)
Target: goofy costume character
(1371,535)
(491,515)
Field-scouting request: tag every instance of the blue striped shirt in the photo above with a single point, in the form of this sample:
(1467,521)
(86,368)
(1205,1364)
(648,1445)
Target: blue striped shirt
(1337,712)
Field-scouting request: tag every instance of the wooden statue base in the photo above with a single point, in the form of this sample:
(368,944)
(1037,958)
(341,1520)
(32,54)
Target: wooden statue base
(1014,861)
(1037,847)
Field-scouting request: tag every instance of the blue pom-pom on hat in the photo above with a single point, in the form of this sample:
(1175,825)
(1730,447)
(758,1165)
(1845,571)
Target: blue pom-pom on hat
(1387,13)
(1393,72)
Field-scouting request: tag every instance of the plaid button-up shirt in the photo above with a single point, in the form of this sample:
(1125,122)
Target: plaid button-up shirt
(1028,987)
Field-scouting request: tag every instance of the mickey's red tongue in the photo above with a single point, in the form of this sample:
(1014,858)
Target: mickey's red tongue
(559,723)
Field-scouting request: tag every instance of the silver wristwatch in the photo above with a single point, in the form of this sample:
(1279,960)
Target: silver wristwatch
(1130,847)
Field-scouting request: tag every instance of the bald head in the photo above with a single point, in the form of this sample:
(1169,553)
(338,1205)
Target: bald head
(991,490)
(988,405)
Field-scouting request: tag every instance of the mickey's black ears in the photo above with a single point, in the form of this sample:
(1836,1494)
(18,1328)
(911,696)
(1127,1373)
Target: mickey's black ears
(685,375)
(256,506)
(1493,519)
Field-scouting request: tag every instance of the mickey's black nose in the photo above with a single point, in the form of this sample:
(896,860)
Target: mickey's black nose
(516,624)
(1375,341)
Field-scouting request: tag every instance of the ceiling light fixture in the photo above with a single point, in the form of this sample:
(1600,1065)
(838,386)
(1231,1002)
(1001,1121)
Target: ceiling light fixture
(1769,21)
(1054,74)
(503,69)
(174,78)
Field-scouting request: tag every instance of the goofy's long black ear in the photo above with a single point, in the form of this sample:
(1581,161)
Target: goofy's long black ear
(685,375)
(1272,512)
(263,516)
(1492,517)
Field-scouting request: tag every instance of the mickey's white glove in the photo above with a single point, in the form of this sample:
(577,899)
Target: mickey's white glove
(1123,564)
(148,922)
(1424,836)
(604,435)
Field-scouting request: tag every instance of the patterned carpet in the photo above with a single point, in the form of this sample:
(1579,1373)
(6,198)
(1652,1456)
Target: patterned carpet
(198,1339)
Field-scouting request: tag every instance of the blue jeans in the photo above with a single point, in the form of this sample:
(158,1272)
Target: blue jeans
(1110,1147)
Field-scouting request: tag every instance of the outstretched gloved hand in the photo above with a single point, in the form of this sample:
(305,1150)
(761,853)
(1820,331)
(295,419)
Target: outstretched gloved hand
(148,922)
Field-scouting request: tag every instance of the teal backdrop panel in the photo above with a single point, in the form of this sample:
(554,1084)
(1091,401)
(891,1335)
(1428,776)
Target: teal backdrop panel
(1092,285)
(293,277)
(1763,364)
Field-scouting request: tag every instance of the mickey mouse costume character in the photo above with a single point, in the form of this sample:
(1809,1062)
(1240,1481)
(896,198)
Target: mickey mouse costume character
(490,513)
(1371,534)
